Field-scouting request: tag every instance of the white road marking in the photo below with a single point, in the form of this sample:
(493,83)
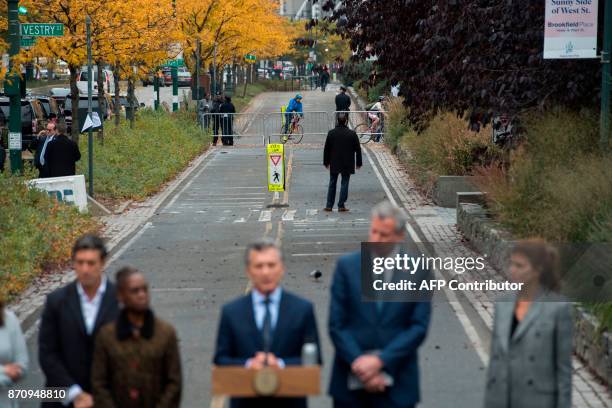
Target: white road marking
(239,220)
(289,215)
(311,212)
(265,216)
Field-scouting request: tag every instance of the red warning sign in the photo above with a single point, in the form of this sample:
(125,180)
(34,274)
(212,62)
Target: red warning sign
(275,158)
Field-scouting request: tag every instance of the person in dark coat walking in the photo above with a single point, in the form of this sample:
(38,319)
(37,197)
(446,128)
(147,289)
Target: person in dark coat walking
(341,153)
(343,101)
(136,359)
(227,121)
(40,147)
(324,78)
(216,120)
(70,321)
(62,154)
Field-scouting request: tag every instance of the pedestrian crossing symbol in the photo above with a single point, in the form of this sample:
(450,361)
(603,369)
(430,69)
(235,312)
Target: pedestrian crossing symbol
(276,167)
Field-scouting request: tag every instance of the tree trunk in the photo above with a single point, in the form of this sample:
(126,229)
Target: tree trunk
(74,98)
(101,99)
(130,100)
(117,100)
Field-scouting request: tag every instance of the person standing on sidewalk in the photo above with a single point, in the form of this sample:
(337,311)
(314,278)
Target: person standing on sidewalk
(227,111)
(70,321)
(136,359)
(343,101)
(216,120)
(62,154)
(531,345)
(41,145)
(342,153)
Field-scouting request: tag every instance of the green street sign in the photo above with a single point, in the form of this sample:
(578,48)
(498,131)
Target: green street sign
(42,29)
(28,41)
(179,62)
(250,57)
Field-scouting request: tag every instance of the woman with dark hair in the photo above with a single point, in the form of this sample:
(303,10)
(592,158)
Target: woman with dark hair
(13,354)
(531,347)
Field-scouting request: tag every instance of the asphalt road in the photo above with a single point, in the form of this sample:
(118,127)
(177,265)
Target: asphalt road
(192,253)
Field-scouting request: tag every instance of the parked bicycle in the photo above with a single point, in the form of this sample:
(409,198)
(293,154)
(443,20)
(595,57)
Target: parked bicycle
(295,132)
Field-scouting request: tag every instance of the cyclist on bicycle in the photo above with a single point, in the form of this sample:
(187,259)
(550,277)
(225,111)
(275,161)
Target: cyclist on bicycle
(374,114)
(295,106)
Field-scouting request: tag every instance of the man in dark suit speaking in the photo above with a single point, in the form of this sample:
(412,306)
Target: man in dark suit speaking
(376,342)
(268,326)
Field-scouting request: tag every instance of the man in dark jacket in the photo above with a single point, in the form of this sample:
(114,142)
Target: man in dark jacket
(216,121)
(70,321)
(343,101)
(227,111)
(136,359)
(40,148)
(62,154)
(341,149)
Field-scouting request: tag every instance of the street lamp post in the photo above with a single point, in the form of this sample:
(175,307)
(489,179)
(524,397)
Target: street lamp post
(606,77)
(89,104)
(12,89)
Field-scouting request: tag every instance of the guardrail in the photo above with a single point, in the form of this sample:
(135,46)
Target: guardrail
(270,127)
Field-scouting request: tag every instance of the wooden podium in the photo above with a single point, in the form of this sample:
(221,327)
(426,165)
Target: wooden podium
(293,381)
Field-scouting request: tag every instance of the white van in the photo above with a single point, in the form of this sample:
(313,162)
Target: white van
(109,81)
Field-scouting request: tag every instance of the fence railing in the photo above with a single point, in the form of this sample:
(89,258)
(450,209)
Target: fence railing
(270,127)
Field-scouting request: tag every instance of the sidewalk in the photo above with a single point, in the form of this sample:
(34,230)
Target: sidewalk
(438,225)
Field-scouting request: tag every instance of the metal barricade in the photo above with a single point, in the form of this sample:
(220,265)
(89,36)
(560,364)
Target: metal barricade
(363,123)
(310,124)
(238,125)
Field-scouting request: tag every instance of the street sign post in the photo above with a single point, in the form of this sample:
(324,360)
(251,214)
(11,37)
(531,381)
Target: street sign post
(12,89)
(42,29)
(276,167)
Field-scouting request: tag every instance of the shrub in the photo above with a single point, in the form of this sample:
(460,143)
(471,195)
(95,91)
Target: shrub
(446,147)
(396,122)
(36,233)
(135,163)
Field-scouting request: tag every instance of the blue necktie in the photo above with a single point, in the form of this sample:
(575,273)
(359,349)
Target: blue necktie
(266,327)
(44,150)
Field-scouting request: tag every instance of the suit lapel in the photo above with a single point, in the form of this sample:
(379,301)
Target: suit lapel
(74,301)
(530,317)
(281,322)
(504,322)
(256,333)
(105,305)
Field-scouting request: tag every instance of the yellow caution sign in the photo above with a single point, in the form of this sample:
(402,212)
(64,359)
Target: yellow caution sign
(276,167)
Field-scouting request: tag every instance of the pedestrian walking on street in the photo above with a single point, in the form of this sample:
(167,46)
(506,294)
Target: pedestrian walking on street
(342,153)
(324,78)
(136,360)
(376,342)
(62,154)
(216,122)
(227,111)
(266,327)
(40,148)
(70,320)
(531,347)
(343,101)
(13,355)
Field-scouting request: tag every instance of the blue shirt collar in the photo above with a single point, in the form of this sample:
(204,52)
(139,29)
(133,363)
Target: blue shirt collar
(259,297)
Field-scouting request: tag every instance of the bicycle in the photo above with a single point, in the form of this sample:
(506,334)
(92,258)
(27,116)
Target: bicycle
(365,132)
(295,132)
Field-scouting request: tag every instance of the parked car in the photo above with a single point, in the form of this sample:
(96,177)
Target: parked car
(32,119)
(108,80)
(150,79)
(49,105)
(184,77)
(59,94)
(167,75)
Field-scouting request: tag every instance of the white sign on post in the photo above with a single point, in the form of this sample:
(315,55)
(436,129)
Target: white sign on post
(70,189)
(570,29)
(14,140)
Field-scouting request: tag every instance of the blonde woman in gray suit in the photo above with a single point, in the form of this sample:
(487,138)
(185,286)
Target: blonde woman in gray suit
(531,349)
